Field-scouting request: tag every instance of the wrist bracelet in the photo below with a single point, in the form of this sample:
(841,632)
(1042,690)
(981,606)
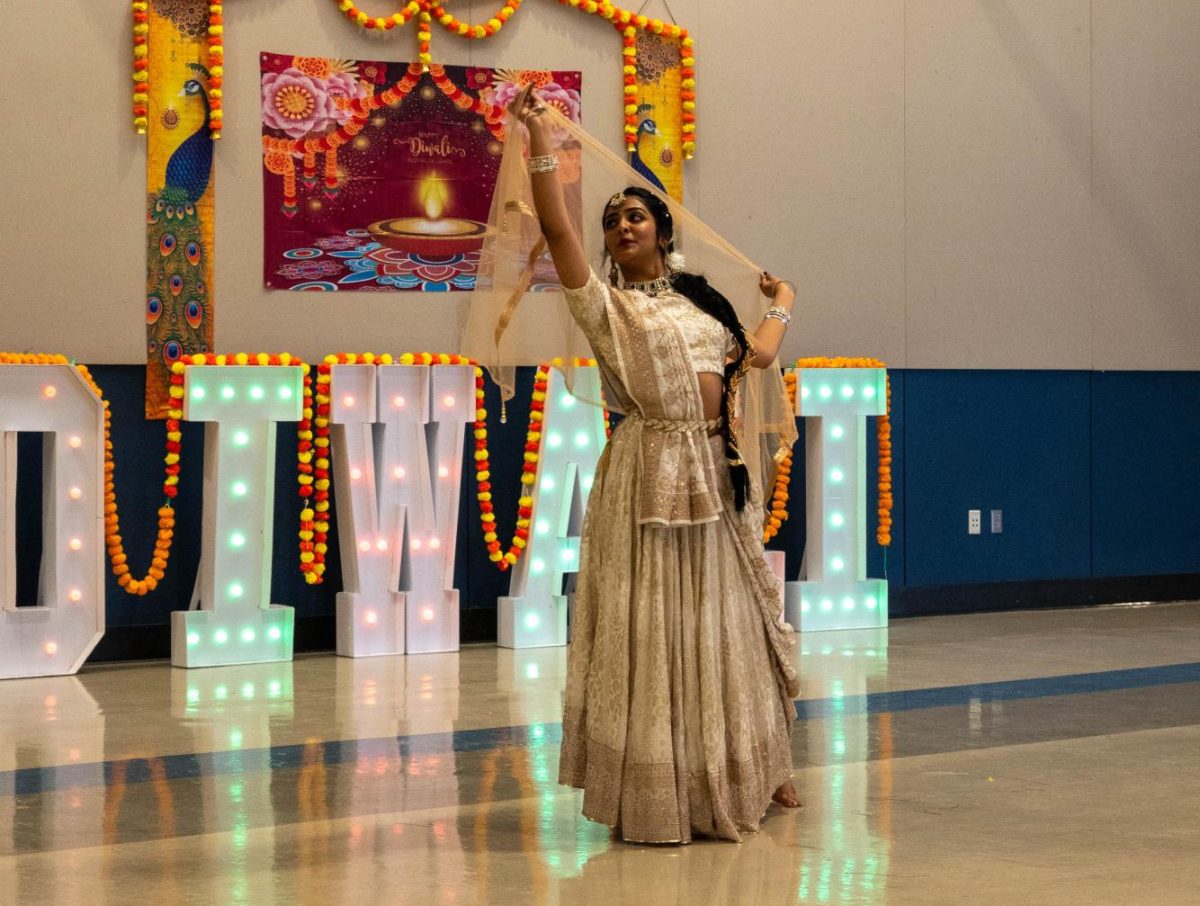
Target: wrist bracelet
(546,163)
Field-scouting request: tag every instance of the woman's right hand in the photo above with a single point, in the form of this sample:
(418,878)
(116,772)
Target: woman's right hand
(526,105)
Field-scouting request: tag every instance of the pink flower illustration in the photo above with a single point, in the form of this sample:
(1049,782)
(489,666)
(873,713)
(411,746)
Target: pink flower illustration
(343,90)
(295,103)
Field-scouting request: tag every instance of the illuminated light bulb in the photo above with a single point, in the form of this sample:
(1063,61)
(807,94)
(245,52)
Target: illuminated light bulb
(198,393)
(49,391)
(235,590)
(447,400)
(371,618)
(872,603)
(239,489)
(805,607)
(248,636)
(531,671)
(364,546)
(537,565)
(804,393)
(566,401)
(826,604)
(75,441)
(415,544)
(221,693)
(548,483)
(826,391)
(398,402)
(542,526)
(587,483)
(75,544)
(427,614)
(568,555)
(226,392)
(381,544)
(274,688)
(837,564)
(50,647)
(398,472)
(193,638)
(247,692)
(848,604)
(581,439)
(193,694)
(75,493)
(836,475)
(285,393)
(274,633)
(50,702)
(847,391)
(435,543)
(554,440)
(237,539)
(443,472)
(531,621)
(836,431)
(241,438)
(837,520)
(869,392)
(235,739)
(347,401)
(220,637)
(256,392)
(75,595)
(356,473)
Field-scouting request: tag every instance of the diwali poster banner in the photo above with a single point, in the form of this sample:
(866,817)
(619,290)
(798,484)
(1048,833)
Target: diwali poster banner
(378,177)
(658,152)
(179,183)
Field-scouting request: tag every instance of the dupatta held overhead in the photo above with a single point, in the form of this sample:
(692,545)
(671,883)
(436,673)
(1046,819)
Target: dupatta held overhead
(517,315)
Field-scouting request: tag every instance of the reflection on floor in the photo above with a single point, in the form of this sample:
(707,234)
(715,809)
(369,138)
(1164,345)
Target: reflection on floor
(1033,758)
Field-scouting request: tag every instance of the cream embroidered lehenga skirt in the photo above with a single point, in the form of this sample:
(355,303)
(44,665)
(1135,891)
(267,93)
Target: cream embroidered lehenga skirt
(677,717)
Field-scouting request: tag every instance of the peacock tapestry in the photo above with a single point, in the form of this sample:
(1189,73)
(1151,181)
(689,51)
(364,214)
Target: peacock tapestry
(179,183)
(379,176)
(658,145)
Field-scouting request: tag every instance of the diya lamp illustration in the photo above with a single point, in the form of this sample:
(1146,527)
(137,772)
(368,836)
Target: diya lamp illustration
(431,236)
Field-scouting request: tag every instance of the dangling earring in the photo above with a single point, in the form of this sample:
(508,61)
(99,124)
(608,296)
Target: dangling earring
(614,275)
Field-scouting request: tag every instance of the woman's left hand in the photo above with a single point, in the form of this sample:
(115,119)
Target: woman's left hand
(770,285)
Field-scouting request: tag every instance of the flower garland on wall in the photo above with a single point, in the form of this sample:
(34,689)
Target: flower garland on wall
(626,22)
(883,436)
(112,523)
(141,66)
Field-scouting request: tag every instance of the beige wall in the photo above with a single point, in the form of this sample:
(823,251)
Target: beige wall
(952,183)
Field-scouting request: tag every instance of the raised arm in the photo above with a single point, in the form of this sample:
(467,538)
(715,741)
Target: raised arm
(565,246)
(769,335)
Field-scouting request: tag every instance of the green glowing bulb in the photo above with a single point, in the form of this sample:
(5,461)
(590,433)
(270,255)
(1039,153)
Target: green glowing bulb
(872,603)
(241,438)
(531,621)
(537,564)
(826,604)
(837,520)
(837,564)
(847,391)
(285,393)
(198,393)
(256,392)
(226,392)
(220,693)
(237,539)
(826,391)
(274,634)
(247,634)
(220,636)
(531,671)
(836,475)
(236,590)
(582,438)
(193,638)
(239,489)
(554,440)
(848,603)
(869,392)
(836,431)
(542,526)
(547,483)
(566,401)
(247,690)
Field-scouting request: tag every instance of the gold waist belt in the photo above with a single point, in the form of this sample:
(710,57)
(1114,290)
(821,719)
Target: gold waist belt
(679,425)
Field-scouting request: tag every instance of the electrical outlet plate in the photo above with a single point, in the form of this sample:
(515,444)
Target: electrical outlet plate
(974,522)
(997,521)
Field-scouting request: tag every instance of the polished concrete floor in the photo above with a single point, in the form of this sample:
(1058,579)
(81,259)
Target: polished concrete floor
(1017,758)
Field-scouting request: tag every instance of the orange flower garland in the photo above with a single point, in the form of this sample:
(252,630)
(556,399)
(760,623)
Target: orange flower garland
(625,21)
(112,525)
(216,68)
(883,436)
(777,512)
(313,526)
(141,65)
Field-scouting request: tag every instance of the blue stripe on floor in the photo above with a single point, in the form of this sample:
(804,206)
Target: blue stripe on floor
(32,781)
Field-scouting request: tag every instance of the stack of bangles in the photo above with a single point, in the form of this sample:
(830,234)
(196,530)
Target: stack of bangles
(546,163)
(782,315)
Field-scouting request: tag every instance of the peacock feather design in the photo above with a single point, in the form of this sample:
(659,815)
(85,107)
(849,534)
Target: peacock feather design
(647,126)
(177,293)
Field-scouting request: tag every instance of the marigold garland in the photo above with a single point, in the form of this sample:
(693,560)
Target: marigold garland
(216,68)
(883,436)
(628,23)
(141,65)
(777,512)
(313,479)
(112,525)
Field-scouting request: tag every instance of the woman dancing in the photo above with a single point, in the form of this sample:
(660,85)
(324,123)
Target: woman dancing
(679,696)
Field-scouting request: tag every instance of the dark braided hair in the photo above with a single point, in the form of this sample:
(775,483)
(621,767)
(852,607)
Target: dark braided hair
(695,288)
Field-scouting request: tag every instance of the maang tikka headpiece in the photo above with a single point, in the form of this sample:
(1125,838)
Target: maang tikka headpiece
(617,199)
